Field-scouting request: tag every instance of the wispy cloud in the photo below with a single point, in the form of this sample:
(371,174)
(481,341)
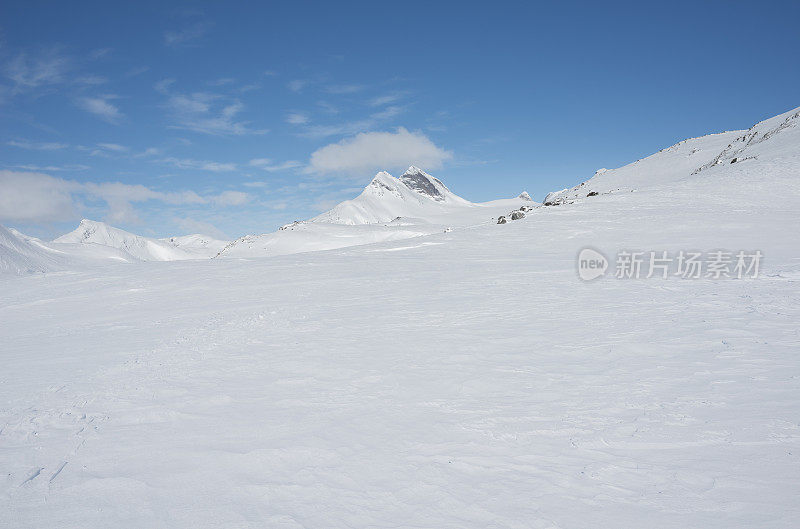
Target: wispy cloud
(133,72)
(205,112)
(349,128)
(327,107)
(266,164)
(106,149)
(52,168)
(386,99)
(297,118)
(344,88)
(101,107)
(115,147)
(90,79)
(296,85)
(187,36)
(202,165)
(37,146)
(388,113)
(222,81)
(33,70)
(256,183)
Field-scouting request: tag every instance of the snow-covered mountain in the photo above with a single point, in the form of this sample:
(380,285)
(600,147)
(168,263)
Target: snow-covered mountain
(91,232)
(388,209)
(418,204)
(415,194)
(772,138)
(20,254)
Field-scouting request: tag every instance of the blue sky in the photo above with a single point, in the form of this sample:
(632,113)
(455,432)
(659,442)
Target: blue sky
(233,118)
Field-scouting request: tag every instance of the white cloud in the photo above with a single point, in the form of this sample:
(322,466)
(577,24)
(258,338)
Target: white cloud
(267,165)
(371,151)
(230,198)
(101,107)
(190,225)
(297,118)
(37,146)
(36,197)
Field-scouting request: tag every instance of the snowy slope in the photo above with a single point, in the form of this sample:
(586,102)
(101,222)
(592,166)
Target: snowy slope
(771,138)
(197,244)
(465,379)
(666,167)
(91,232)
(20,254)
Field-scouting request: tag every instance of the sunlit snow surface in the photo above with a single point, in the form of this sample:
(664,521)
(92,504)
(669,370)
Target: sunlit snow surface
(461,379)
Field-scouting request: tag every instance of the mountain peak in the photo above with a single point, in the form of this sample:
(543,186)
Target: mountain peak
(424,184)
(384,178)
(525,196)
(413,169)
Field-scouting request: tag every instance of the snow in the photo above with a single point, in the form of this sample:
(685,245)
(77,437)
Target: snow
(667,167)
(414,194)
(459,379)
(20,254)
(197,245)
(136,246)
(389,209)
